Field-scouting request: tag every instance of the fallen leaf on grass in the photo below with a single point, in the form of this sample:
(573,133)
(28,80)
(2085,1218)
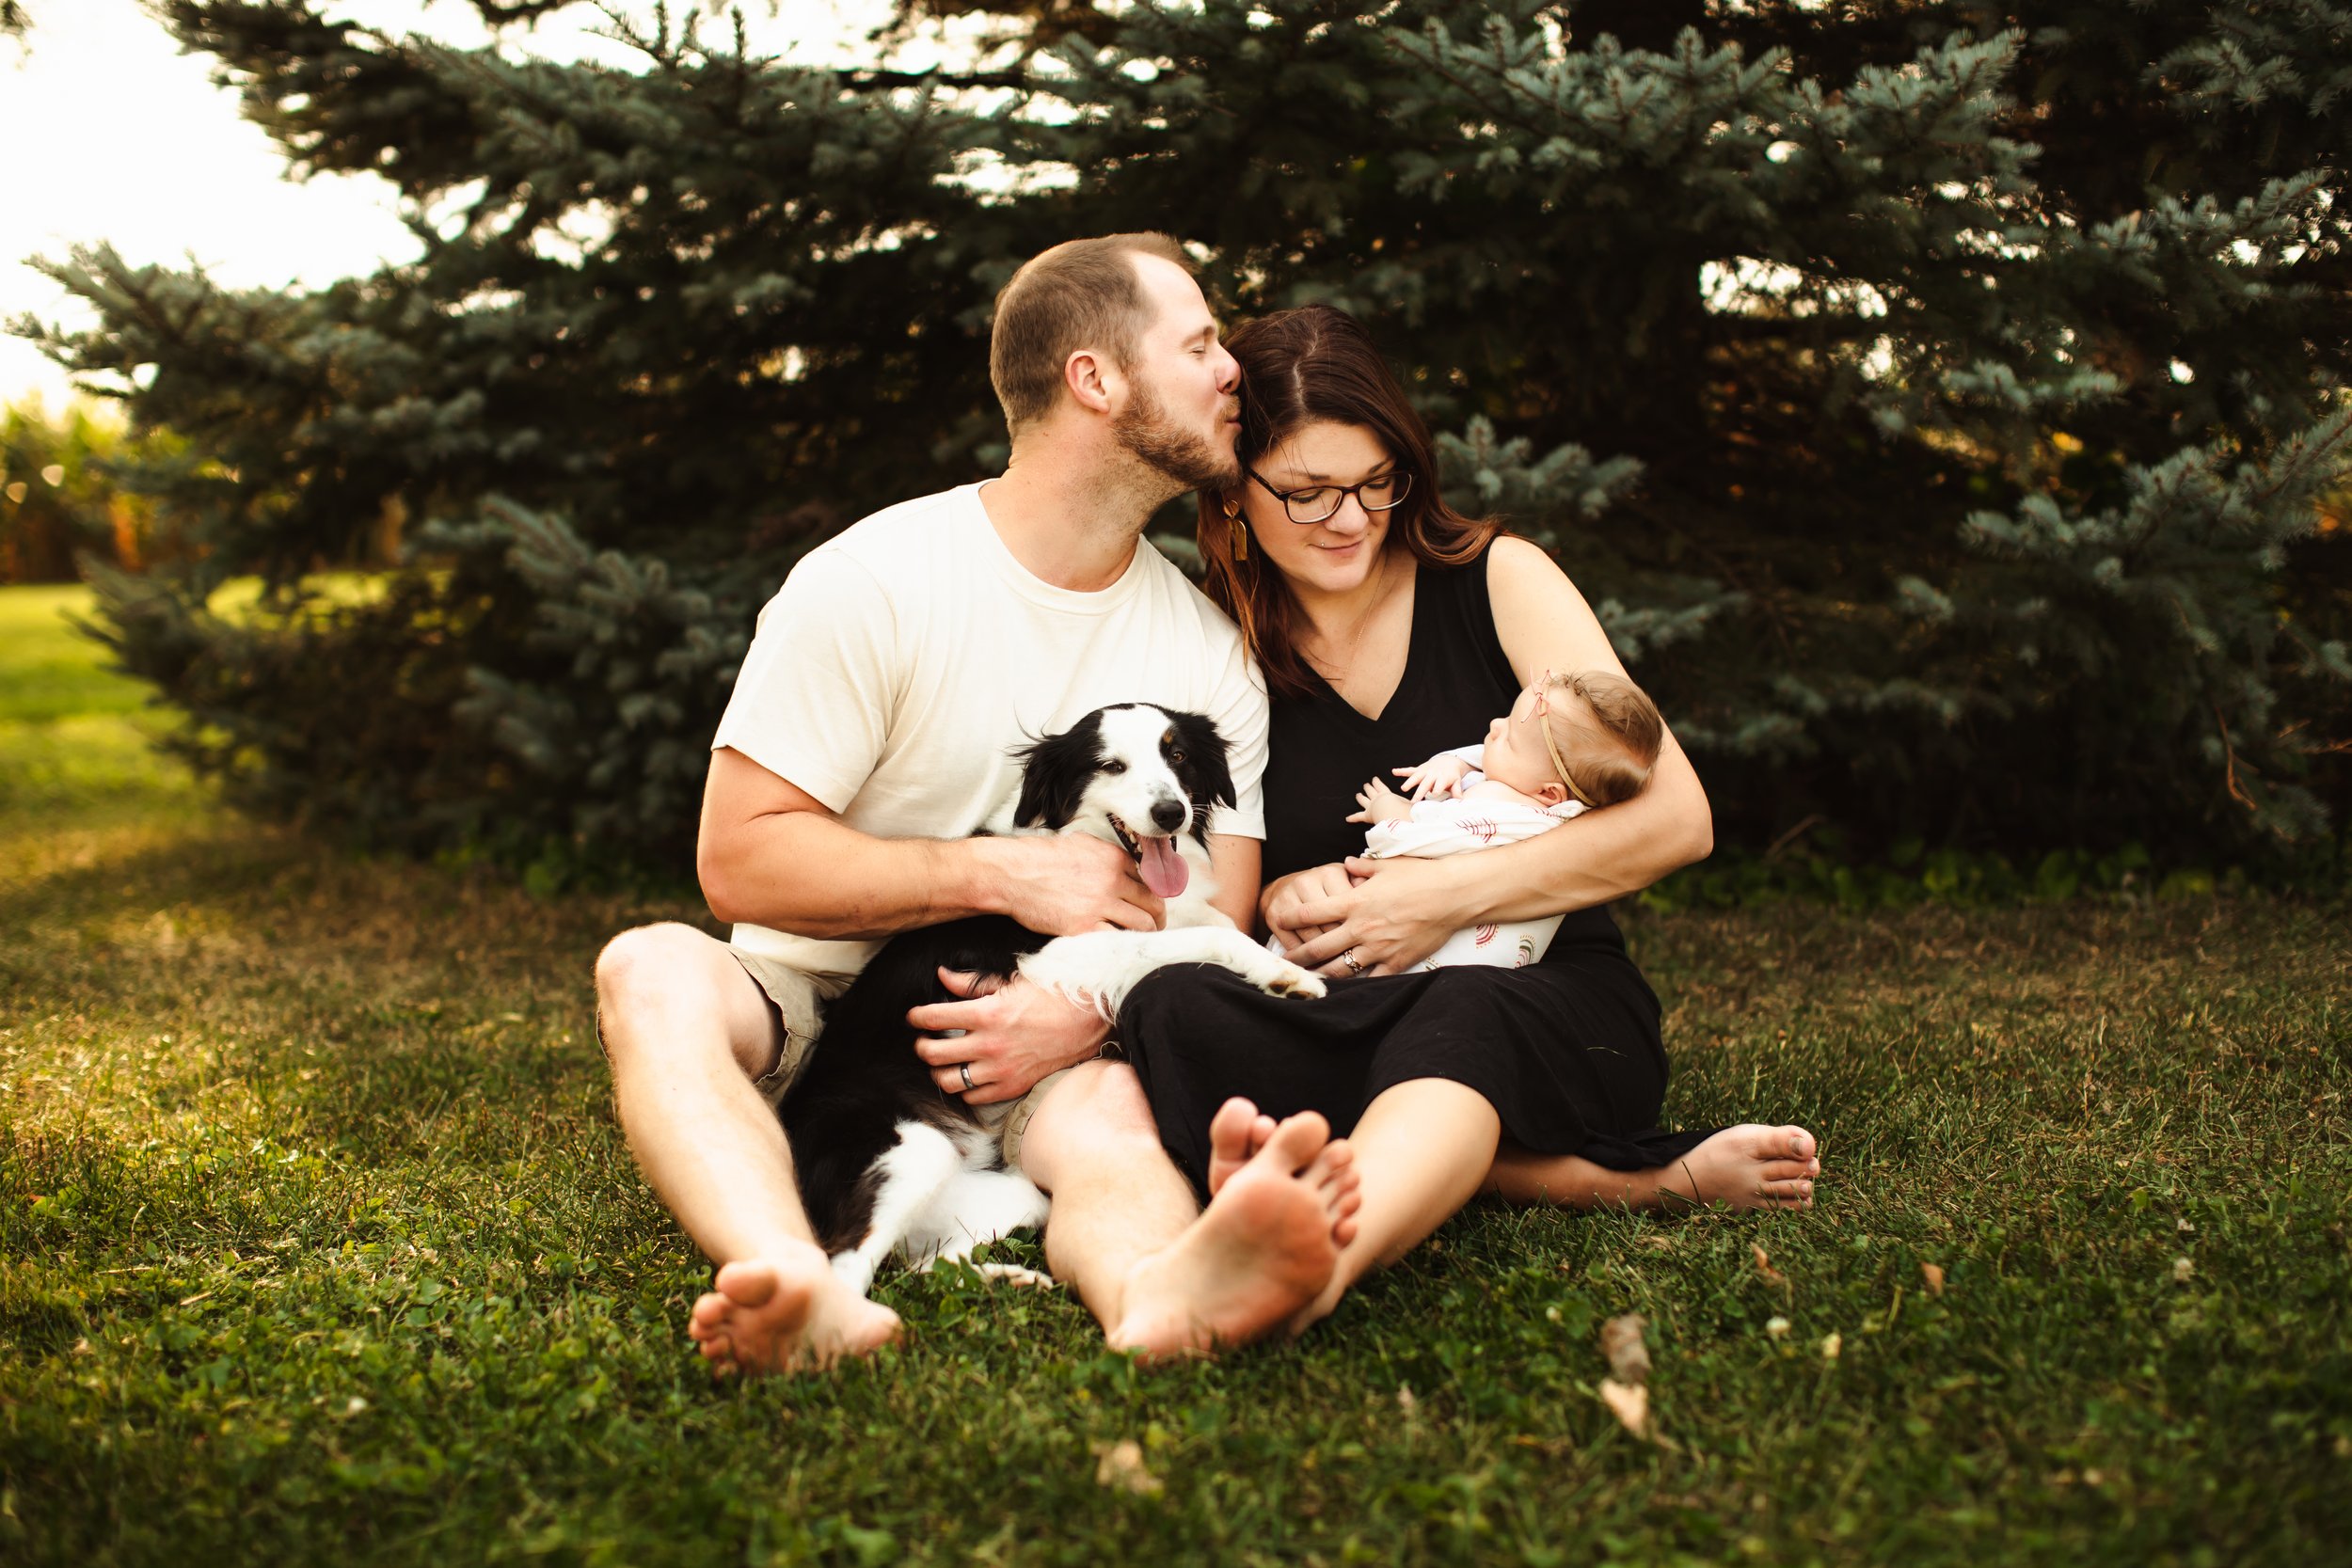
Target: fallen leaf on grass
(1934,1275)
(1629,1403)
(2182,1270)
(1777,1327)
(1407,1405)
(1764,1266)
(1621,1342)
(1119,1467)
(1831,1346)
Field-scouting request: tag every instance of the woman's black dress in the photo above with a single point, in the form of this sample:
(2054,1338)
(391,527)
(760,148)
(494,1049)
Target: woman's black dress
(1566,1049)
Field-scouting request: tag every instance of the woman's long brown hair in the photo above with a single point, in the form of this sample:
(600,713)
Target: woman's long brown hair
(1316,365)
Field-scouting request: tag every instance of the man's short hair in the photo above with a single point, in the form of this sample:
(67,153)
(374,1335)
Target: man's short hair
(1082,294)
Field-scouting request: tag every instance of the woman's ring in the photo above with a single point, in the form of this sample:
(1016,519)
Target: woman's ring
(1348,958)
(965,1070)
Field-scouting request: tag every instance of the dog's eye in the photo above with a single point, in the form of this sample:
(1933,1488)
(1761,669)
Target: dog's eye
(1114,767)
(1175,753)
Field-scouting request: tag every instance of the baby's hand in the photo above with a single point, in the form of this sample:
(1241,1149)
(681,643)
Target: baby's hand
(1440,775)
(1380,804)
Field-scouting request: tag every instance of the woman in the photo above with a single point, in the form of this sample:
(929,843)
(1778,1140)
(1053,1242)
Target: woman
(1389,626)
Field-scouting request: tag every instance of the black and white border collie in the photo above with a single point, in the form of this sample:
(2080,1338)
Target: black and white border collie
(887,1162)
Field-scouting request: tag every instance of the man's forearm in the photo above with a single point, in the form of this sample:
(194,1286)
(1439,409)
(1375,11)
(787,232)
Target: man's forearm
(808,874)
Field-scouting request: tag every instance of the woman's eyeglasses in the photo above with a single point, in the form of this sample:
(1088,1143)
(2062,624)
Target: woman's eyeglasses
(1317,502)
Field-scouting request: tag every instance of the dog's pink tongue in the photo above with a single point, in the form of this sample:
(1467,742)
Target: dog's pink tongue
(1164,870)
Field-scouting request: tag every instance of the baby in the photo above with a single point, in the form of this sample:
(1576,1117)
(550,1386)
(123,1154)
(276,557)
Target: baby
(1570,744)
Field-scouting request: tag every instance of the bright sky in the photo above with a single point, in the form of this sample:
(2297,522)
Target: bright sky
(116,135)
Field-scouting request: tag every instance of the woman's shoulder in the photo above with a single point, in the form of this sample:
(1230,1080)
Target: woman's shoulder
(1503,563)
(1522,579)
(1510,555)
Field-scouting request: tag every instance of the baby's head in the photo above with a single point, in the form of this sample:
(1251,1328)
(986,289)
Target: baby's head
(1590,737)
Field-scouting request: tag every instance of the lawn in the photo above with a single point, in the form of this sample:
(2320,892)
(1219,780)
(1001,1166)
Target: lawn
(318,1242)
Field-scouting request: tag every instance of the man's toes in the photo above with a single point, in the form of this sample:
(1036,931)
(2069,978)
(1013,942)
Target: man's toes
(1335,1166)
(747,1283)
(711,1310)
(1298,1140)
(1229,1129)
(1259,1131)
(1800,1143)
(1793,1194)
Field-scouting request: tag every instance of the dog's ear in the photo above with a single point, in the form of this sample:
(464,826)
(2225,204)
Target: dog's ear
(1204,771)
(1054,774)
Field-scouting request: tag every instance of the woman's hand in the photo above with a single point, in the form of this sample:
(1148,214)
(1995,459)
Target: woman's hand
(1395,914)
(1285,896)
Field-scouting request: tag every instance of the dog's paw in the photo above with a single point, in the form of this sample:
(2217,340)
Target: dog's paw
(1291,980)
(1013,1273)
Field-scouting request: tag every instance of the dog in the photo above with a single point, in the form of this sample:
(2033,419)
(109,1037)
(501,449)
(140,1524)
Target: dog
(889,1163)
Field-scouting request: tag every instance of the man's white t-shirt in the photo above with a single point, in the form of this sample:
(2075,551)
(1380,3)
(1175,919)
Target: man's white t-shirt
(903,659)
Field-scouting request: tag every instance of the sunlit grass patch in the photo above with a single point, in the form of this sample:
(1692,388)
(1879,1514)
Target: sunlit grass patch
(318,1241)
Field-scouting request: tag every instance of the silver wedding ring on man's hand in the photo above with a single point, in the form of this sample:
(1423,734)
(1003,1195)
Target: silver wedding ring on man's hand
(1348,958)
(963,1069)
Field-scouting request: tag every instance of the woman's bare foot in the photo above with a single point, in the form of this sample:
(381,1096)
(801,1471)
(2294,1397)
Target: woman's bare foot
(784,1315)
(1749,1166)
(1263,1249)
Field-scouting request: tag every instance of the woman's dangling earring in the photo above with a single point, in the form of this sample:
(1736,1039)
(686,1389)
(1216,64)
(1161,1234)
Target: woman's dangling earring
(1239,528)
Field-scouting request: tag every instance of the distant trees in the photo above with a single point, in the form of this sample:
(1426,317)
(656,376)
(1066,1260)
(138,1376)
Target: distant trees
(58,501)
(1941,403)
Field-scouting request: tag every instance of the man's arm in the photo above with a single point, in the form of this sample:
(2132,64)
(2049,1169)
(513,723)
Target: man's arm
(1016,1034)
(768,854)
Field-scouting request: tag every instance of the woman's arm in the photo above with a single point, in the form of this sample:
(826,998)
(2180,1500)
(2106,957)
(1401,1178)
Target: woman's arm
(1404,910)
(1283,897)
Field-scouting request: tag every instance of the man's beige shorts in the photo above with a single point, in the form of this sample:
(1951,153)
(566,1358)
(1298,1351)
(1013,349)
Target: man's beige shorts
(799,996)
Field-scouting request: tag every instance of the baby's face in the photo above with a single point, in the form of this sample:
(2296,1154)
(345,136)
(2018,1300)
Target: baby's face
(1515,750)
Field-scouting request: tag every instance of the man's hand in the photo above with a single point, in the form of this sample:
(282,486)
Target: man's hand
(1378,802)
(1440,775)
(1395,913)
(1061,884)
(1014,1034)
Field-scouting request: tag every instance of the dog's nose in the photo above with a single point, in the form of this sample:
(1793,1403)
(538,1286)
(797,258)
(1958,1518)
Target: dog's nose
(1169,815)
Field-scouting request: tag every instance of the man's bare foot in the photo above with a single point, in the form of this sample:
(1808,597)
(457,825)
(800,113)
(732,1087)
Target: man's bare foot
(1238,1131)
(786,1314)
(1263,1249)
(1749,1166)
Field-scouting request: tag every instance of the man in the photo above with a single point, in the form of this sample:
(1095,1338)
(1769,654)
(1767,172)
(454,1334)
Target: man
(868,733)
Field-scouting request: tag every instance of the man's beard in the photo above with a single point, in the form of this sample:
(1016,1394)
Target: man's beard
(1195,462)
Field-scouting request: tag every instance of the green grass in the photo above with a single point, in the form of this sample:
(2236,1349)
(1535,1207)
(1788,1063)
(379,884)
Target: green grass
(318,1242)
